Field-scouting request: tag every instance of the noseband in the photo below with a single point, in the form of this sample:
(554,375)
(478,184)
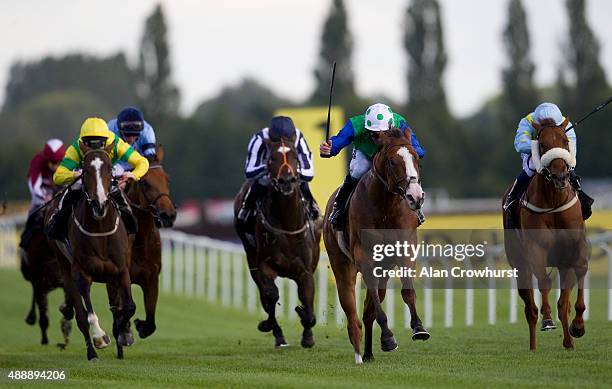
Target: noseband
(399,190)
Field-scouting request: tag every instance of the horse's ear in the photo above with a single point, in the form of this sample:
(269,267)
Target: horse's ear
(536,127)
(109,149)
(159,153)
(83,147)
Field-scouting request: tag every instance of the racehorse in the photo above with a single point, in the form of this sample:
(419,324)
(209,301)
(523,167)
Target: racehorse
(99,251)
(286,241)
(551,232)
(39,265)
(385,198)
(150,201)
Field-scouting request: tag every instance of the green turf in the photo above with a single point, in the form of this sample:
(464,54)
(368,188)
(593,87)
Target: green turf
(202,345)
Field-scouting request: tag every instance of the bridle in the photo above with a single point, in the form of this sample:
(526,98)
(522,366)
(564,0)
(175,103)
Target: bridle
(285,164)
(84,173)
(151,207)
(397,189)
(545,171)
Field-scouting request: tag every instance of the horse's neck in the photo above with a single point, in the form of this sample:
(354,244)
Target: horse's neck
(542,193)
(384,202)
(86,219)
(146,221)
(287,211)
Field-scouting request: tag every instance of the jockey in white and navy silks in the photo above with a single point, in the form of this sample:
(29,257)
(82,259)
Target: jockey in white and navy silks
(525,133)
(256,164)
(132,128)
(358,130)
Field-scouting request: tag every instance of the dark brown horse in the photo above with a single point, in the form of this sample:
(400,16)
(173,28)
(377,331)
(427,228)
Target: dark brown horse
(552,233)
(286,242)
(385,198)
(99,251)
(150,201)
(39,266)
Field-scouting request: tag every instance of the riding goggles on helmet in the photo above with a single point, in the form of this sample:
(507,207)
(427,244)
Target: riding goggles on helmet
(131,128)
(94,142)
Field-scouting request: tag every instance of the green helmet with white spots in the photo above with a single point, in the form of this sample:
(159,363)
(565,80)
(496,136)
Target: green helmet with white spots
(379,117)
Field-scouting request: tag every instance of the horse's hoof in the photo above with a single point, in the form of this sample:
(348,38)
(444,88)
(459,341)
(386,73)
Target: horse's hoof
(94,359)
(44,341)
(389,344)
(420,333)
(358,359)
(102,342)
(61,346)
(264,326)
(143,328)
(91,355)
(308,341)
(547,325)
(125,339)
(575,331)
(368,358)
(30,319)
(280,342)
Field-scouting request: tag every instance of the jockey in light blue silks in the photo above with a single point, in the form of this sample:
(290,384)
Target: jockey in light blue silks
(256,171)
(132,128)
(525,133)
(359,130)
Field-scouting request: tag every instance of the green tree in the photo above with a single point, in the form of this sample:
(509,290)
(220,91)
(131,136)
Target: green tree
(159,96)
(336,45)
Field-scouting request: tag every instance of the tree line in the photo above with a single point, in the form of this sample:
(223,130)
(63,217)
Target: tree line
(206,150)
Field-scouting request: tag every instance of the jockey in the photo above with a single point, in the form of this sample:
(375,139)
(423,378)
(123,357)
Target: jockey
(358,130)
(132,128)
(96,135)
(256,165)
(40,182)
(525,133)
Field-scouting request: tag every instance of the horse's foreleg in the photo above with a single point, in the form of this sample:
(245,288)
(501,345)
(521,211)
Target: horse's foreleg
(268,295)
(100,339)
(43,321)
(306,290)
(387,340)
(531,314)
(67,311)
(126,310)
(150,291)
(547,321)
(369,315)
(409,296)
(577,327)
(31,317)
(81,315)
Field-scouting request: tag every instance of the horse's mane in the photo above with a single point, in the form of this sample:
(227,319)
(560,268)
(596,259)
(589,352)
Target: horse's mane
(548,123)
(395,132)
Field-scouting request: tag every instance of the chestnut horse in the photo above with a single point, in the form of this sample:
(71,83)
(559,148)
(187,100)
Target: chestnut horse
(551,233)
(286,241)
(385,198)
(150,201)
(100,252)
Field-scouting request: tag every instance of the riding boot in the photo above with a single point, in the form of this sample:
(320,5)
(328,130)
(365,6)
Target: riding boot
(336,217)
(28,230)
(129,220)
(57,225)
(586,201)
(313,209)
(247,209)
(511,204)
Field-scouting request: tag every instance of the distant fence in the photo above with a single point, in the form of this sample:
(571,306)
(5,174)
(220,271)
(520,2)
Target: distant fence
(217,272)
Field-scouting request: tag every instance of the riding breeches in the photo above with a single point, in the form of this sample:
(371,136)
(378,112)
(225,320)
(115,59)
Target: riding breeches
(360,164)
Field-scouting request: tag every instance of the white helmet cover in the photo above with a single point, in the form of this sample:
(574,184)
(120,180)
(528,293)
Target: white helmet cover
(548,111)
(379,117)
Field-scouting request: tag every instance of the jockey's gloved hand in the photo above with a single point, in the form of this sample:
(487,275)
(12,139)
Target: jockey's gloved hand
(125,178)
(77,173)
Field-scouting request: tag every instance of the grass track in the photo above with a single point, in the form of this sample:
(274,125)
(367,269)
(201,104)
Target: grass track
(202,345)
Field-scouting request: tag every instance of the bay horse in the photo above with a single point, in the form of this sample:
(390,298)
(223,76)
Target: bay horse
(99,251)
(39,265)
(150,201)
(551,232)
(385,198)
(286,241)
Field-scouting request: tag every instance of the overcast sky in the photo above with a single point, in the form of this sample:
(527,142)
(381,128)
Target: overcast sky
(215,43)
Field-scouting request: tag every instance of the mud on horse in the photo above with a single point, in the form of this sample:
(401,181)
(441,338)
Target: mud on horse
(386,197)
(551,233)
(286,241)
(100,252)
(150,201)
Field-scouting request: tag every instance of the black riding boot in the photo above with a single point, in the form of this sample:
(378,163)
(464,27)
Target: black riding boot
(336,217)
(129,220)
(247,210)
(57,225)
(28,231)
(511,204)
(586,201)
(313,208)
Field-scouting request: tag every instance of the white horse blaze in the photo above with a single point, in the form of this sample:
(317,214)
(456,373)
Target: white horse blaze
(414,189)
(98,332)
(283,149)
(97,163)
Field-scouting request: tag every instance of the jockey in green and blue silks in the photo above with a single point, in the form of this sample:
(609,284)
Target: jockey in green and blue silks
(525,133)
(358,130)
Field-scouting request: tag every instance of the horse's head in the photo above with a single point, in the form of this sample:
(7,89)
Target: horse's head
(283,165)
(396,165)
(153,190)
(96,178)
(552,153)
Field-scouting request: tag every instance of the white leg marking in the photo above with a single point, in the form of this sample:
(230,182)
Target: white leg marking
(98,332)
(358,359)
(97,163)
